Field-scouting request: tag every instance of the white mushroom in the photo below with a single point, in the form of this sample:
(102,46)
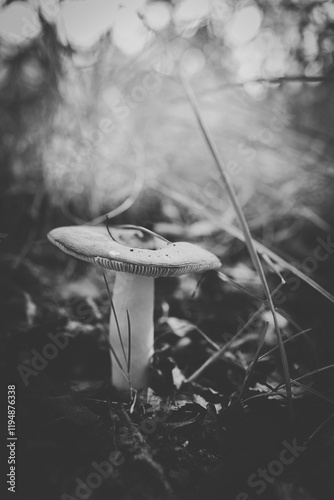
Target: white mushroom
(137,258)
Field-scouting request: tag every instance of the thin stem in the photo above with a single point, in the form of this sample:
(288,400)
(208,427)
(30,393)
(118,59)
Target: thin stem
(321,426)
(116,319)
(290,339)
(251,367)
(129,341)
(145,230)
(221,351)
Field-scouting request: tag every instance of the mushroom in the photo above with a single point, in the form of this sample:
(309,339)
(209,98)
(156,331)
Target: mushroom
(138,256)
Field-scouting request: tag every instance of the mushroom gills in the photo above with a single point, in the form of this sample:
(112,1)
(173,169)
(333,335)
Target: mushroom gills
(149,270)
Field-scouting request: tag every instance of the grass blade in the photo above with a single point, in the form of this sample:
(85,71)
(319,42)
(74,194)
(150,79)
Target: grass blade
(290,339)
(321,426)
(313,391)
(129,341)
(278,392)
(115,316)
(251,367)
(118,362)
(221,351)
(315,372)
(226,279)
(182,199)
(244,226)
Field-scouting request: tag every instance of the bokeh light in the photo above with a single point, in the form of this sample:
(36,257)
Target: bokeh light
(86,21)
(244,25)
(189,14)
(19,23)
(192,62)
(50,9)
(129,33)
(310,43)
(157,15)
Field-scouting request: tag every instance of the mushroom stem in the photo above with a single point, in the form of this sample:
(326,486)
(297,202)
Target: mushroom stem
(134,294)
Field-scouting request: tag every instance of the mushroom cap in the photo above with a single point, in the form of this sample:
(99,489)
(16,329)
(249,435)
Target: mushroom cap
(134,251)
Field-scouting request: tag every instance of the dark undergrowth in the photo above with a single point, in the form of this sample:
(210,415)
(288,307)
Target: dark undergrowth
(178,439)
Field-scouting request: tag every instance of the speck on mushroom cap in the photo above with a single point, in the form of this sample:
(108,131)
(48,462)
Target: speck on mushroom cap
(133,252)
